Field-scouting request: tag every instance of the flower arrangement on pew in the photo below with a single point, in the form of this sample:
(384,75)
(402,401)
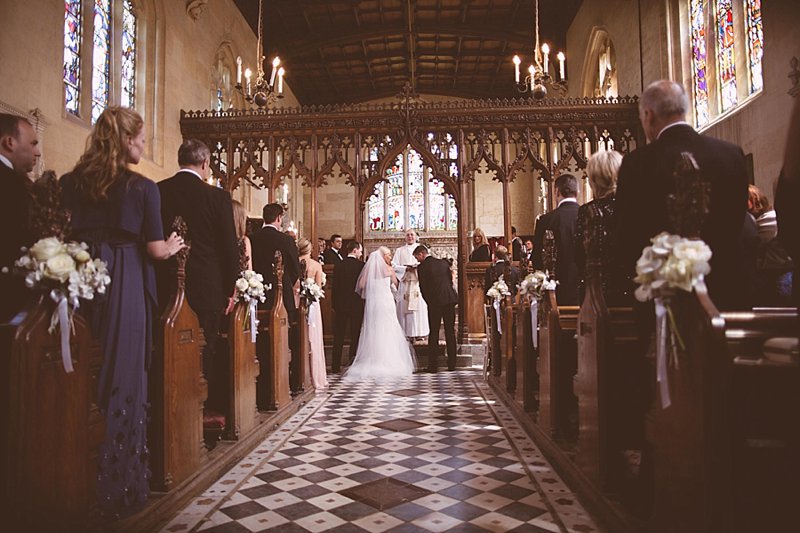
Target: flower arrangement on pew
(310,292)
(533,287)
(671,264)
(68,271)
(497,292)
(250,288)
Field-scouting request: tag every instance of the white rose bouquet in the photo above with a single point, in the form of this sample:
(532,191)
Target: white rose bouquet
(70,274)
(535,284)
(310,292)
(498,290)
(250,288)
(670,264)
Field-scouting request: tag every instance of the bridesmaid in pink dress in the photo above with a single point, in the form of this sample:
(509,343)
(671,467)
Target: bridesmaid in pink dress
(314,271)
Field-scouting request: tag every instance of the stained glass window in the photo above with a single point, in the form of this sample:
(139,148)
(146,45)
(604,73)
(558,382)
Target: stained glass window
(697,21)
(452,213)
(128,66)
(72,55)
(395,197)
(755,43)
(376,208)
(101,57)
(726,62)
(416,191)
(436,205)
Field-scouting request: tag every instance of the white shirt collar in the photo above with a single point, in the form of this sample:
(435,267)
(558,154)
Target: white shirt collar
(679,123)
(6,162)
(273,226)
(189,170)
(564,200)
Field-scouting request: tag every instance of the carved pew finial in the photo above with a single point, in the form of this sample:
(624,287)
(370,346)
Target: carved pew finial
(549,252)
(179,226)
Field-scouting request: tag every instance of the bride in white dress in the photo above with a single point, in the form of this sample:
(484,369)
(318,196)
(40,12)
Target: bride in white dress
(383,350)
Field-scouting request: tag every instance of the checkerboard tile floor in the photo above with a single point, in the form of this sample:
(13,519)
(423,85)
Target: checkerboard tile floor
(432,452)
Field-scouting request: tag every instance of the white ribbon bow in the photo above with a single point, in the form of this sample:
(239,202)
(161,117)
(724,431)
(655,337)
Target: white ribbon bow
(253,320)
(662,334)
(535,322)
(497,313)
(61,317)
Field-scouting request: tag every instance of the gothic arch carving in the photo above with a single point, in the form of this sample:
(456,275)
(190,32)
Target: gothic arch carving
(529,151)
(337,157)
(291,158)
(484,153)
(600,66)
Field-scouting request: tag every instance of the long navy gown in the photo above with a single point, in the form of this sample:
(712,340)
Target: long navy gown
(117,230)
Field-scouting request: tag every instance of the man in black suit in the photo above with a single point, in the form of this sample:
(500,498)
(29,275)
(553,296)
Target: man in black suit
(527,253)
(502,267)
(561,221)
(213,263)
(436,286)
(516,246)
(348,306)
(19,149)
(265,242)
(646,179)
(333,255)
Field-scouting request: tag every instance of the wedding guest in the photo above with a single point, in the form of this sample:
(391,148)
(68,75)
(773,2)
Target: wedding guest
(348,306)
(242,240)
(646,180)
(480,246)
(516,245)
(118,213)
(412,311)
(265,242)
(213,263)
(333,254)
(502,267)
(321,246)
(787,198)
(19,150)
(561,221)
(595,220)
(435,283)
(314,271)
(527,254)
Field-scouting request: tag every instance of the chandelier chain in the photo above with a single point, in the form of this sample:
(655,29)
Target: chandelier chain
(260,51)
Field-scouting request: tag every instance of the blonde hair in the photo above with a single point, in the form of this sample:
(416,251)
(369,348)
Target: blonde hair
(602,169)
(303,247)
(105,159)
(479,232)
(239,218)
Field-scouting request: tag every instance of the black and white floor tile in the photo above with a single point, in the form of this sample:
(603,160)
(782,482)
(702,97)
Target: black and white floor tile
(433,452)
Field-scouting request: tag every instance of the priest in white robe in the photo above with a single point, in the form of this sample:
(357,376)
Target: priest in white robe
(412,311)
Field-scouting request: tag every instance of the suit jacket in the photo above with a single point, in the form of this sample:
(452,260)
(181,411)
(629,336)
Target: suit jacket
(332,258)
(562,221)
(436,282)
(645,180)
(345,275)
(517,249)
(15,232)
(265,242)
(498,269)
(213,264)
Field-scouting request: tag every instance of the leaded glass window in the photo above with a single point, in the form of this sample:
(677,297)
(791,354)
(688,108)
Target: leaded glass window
(410,198)
(101,57)
(128,67)
(72,55)
(699,65)
(726,60)
(755,43)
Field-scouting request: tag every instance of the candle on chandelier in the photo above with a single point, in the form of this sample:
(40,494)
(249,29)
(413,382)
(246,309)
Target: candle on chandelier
(239,71)
(532,72)
(281,72)
(561,71)
(248,74)
(517,61)
(275,63)
(546,52)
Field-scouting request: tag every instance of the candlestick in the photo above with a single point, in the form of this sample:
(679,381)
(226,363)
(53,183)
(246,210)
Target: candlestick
(275,63)
(239,71)
(517,61)
(532,73)
(546,51)
(561,70)
(248,74)
(281,72)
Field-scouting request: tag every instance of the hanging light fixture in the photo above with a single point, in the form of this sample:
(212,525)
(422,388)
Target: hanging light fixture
(538,78)
(262,91)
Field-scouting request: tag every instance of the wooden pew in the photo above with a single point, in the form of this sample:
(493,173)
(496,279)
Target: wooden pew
(244,370)
(525,355)
(178,391)
(54,427)
(610,405)
(273,347)
(726,402)
(474,299)
(326,308)
(301,355)
(556,328)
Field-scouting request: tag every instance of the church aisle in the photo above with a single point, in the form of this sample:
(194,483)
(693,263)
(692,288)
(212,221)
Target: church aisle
(433,452)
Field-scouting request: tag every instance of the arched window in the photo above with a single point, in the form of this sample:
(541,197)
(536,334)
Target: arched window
(410,198)
(726,38)
(93,30)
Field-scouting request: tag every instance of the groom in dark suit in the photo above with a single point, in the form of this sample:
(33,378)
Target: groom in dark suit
(561,221)
(213,263)
(348,306)
(646,179)
(265,242)
(436,285)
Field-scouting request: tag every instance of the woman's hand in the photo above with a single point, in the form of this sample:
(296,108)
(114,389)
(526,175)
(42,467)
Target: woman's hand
(175,244)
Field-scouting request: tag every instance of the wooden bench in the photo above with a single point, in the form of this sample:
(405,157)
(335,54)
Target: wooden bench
(244,370)
(178,391)
(273,349)
(301,352)
(53,426)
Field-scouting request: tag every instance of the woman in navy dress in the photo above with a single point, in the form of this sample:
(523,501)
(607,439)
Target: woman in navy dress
(118,213)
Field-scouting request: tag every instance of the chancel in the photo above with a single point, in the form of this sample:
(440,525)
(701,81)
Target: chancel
(634,368)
